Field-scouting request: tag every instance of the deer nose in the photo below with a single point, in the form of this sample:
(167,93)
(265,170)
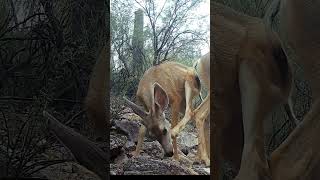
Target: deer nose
(168,154)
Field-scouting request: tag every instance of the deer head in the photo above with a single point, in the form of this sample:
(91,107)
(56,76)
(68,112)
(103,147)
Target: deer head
(158,127)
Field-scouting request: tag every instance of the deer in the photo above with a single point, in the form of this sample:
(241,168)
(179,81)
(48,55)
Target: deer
(298,156)
(95,100)
(169,84)
(252,76)
(299,29)
(202,111)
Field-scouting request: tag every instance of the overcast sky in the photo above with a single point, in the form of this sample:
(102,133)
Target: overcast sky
(203,10)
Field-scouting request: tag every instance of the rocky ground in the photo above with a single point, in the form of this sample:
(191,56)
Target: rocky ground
(123,137)
(151,161)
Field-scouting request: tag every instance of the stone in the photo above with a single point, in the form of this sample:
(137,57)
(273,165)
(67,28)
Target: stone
(129,127)
(151,166)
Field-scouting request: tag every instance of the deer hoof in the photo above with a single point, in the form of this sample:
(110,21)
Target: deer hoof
(176,156)
(135,154)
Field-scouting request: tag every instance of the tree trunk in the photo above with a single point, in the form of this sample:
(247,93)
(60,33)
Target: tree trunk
(137,43)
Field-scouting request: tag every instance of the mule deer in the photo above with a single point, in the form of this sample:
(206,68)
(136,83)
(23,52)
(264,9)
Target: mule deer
(168,84)
(300,26)
(201,112)
(251,76)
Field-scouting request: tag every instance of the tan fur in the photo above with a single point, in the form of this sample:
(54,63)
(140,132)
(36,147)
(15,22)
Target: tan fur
(251,76)
(298,157)
(204,73)
(180,86)
(202,112)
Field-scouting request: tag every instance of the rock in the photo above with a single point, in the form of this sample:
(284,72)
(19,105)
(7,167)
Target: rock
(153,149)
(202,171)
(185,149)
(116,169)
(151,159)
(150,166)
(121,158)
(129,127)
(187,139)
(127,113)
(207,170)
(112,173)
(130,146)
(193,150)
(116,144)
(117,141)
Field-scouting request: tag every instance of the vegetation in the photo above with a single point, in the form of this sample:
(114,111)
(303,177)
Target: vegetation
(146,33)
(47,52)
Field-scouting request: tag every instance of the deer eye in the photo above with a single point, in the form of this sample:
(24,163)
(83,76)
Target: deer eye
(164,131)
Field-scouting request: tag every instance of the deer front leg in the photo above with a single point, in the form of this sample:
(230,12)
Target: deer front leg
(142,132)
(174,121)
(254,110)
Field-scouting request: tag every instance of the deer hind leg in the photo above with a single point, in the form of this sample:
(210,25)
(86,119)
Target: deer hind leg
(255,107)
(189,92)
(142,132)
(200,115)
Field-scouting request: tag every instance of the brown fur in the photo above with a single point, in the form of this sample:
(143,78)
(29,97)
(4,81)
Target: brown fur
(300,26)
(247,58)
(95,102)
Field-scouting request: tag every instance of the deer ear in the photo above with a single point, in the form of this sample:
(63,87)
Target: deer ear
(161,99)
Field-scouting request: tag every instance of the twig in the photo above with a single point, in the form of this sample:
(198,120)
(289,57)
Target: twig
(25,20)
(75,116)
(43,164)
